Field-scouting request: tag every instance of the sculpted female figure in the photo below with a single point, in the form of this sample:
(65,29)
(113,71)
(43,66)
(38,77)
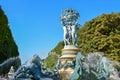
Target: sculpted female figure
(74,31)
(66,35)
(70,33)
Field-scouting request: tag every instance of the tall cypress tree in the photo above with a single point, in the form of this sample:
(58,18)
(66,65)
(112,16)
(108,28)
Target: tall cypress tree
(8,47)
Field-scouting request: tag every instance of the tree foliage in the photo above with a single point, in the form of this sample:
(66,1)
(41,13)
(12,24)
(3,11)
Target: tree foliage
(101,34)
(8,47)
(52,58)
(50,61)
(58,48)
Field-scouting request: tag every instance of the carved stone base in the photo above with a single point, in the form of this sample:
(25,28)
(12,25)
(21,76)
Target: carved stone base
(69,52)
(65,73)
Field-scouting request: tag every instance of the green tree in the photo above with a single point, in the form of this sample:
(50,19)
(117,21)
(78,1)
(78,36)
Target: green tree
(53,55)
(8,47)
(101,34)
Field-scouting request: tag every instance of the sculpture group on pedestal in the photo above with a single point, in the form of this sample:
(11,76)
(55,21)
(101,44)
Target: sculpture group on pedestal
(70,26)
(91,67)
(70,33)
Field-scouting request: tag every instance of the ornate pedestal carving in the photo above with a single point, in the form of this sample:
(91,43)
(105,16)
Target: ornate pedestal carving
(69,52)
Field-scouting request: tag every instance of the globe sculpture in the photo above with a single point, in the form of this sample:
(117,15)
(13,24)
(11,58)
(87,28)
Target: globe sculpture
(69,20)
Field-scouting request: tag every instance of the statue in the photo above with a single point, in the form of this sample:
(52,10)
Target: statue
(66,35)
(78,70)
(70,26)
(69,20)
(74,31)
(35,71)
(93,67)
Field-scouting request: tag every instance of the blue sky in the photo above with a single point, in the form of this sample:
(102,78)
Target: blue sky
(35,24)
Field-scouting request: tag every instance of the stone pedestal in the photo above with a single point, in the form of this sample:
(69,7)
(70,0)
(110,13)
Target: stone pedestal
(65,73)
(69,52)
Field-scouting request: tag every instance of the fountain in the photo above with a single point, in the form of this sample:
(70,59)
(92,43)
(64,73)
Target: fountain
(72,65)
